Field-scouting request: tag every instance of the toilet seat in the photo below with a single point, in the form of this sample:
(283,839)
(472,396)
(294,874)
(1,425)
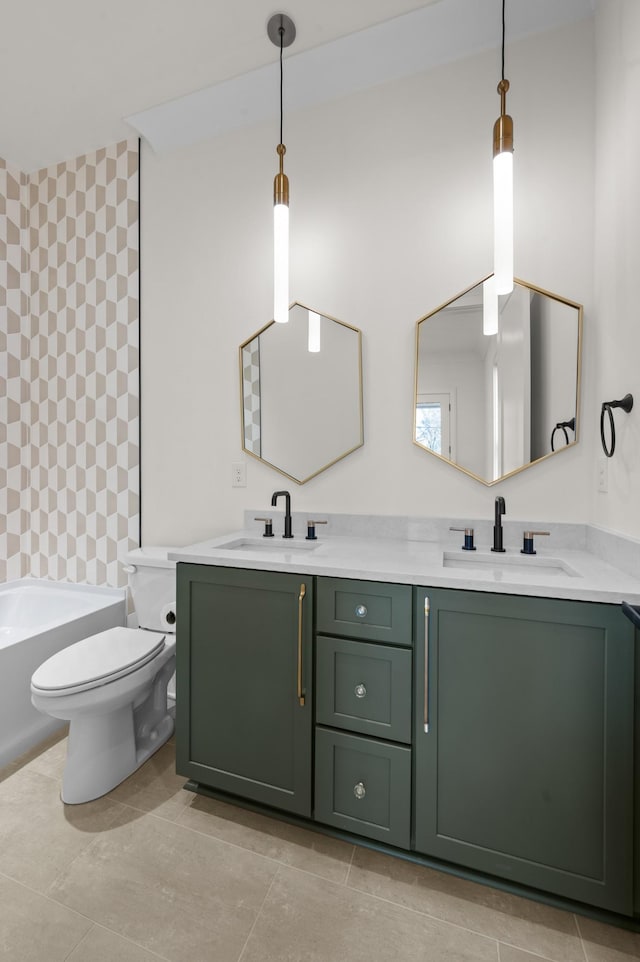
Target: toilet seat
(97,660)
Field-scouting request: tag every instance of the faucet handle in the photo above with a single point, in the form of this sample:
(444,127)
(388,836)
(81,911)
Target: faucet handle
(528,536)
(468,538)
(311,530)
(268,527)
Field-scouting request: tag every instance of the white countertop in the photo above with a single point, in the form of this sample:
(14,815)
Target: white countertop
(562,573)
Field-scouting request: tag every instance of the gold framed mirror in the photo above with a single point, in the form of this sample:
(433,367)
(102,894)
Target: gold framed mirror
(301,393)
(497,379)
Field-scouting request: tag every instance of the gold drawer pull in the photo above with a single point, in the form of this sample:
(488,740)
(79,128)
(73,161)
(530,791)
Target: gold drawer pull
(359,791)
(360,691)
(361,611)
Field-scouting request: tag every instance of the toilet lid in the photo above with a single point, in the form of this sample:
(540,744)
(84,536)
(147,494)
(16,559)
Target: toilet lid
(98,659)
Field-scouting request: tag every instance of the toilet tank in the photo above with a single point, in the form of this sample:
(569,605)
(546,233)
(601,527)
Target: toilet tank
(152,582)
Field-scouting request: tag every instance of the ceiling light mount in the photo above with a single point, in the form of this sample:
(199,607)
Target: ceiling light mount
(281,30)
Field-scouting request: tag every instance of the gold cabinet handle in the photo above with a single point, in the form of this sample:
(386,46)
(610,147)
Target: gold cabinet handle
(426,665)
(301,694)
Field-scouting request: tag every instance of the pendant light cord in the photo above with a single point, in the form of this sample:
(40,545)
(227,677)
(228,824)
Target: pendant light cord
(503,32)
(281,79)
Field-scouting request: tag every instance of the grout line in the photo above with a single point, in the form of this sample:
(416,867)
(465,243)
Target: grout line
(146,811)
(77,946)
(138,945)
(48,898)
(353,855)
(243,848)
(408,908)
(534,955)
(577,921)
(258,914)
(455,925)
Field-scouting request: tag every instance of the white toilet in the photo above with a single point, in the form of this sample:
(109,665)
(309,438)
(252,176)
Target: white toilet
(112,687)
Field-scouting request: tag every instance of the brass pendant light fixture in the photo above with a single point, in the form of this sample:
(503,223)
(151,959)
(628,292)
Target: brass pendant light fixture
(503,188)
(281,31)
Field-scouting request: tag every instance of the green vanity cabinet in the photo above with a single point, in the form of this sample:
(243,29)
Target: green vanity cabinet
(492,732)
(244,686)
(523,741)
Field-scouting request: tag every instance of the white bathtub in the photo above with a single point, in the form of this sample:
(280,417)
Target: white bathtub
(38,618)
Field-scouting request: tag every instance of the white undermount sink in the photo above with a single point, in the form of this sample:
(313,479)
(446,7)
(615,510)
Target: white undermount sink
(271,545)
(501,566)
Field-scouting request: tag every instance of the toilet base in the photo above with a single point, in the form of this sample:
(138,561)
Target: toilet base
(105,748)
(101,753)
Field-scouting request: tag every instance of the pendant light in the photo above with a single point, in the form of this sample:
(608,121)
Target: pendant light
(282,32)
(503,188)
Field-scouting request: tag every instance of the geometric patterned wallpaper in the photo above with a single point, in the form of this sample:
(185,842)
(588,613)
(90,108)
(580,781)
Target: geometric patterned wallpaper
(77,507)
(14,386)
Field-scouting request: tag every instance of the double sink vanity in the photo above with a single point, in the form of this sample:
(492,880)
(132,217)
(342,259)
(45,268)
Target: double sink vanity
(471,709)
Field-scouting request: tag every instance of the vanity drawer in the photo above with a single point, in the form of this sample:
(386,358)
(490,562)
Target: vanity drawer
(364,688)
(364,609)
(363,786)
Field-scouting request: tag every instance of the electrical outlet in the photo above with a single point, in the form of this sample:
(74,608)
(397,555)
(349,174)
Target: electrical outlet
(238,474)
(603,475)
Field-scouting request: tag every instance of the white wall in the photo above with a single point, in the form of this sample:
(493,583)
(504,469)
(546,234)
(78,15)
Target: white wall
(390,217)
(617,245)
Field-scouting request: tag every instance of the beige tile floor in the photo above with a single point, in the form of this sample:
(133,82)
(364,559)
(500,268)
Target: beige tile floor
(154,872)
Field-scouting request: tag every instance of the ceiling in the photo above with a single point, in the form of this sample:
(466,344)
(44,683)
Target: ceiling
(73,71)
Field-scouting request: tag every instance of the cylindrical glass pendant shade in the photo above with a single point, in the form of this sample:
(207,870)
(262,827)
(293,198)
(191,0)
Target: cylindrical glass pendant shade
(281,263)
(503,221)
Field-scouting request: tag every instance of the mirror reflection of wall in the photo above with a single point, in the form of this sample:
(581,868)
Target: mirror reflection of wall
(302,393)
(488,402)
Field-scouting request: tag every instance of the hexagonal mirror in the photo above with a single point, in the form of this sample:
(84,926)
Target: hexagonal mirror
(497,379)
(301,388)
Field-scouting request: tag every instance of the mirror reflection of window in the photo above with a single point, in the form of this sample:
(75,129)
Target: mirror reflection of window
(435,417)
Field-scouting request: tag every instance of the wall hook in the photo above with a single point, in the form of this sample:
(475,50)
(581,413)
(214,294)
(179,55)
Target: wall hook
(562,426)
(626,404)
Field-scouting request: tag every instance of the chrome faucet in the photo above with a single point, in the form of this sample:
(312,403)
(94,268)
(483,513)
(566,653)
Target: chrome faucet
(287,515)
(497,527)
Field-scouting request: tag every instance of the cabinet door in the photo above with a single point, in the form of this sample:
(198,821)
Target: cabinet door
(523,741)
(243,652)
